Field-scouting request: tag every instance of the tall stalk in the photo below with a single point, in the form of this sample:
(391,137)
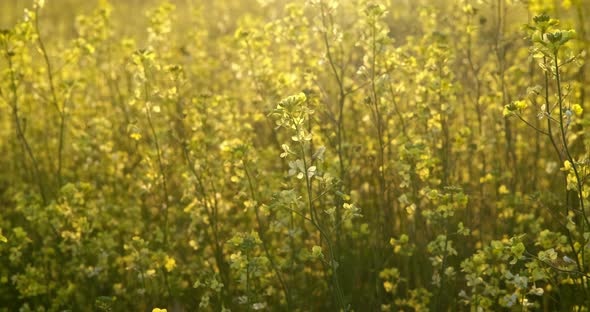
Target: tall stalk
(162,171)
(60,110)
(262,236)
(20,133)
(341,100)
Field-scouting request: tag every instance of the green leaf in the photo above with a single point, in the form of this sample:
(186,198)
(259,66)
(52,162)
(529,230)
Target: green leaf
(3,238)
(518,250)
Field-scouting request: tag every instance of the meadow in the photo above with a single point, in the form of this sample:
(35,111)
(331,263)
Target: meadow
(306,155)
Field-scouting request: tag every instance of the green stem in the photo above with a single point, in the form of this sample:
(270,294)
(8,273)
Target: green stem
(262,236)
(166,199)
(54,101)
(585,222)
(19,128)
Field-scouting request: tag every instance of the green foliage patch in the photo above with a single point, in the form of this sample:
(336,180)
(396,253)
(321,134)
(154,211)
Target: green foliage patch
(312,155)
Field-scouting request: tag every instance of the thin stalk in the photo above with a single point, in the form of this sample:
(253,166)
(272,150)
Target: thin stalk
(379,125)
(565,145)
(315,222)
(340,120)
(439,297)
(203,192)
(500,50)
(248,280)
(54,101)
(262,236)
(574,166)
(548,112)
(166,200)
(19,127)
(559,155)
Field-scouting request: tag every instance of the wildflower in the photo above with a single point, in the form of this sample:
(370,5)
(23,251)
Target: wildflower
(577,109)
(170,264)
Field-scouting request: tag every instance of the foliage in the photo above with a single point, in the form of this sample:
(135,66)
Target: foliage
(305,156)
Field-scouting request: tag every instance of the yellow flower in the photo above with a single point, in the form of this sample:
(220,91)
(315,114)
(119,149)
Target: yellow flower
(503,189)
(388,286)
(520,104)
(577,109)
(170,264)
(316,251)
(567,166)
(136,136)
(159,310)
(487,178)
